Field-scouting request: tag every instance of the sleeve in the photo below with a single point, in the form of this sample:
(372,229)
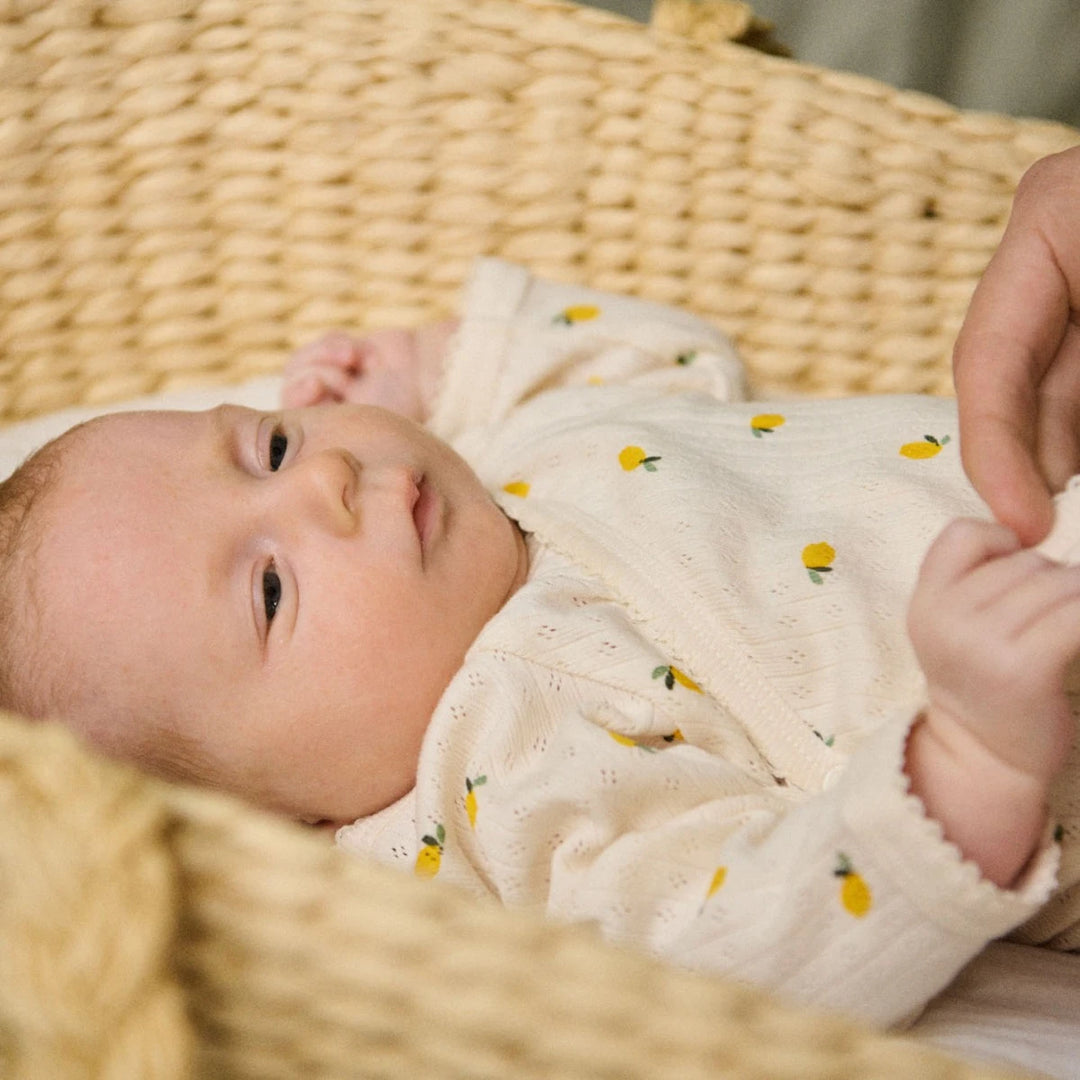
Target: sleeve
(520,336)
(848,899)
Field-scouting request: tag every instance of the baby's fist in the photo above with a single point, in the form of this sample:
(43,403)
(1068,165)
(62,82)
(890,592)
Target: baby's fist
(994,627)
(377,369)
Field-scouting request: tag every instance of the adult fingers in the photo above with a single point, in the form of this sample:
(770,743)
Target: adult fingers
(1011,338)
(1001,356)
(999,426)
(1058,438)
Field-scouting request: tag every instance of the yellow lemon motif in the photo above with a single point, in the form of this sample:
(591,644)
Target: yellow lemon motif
(855,894)
(630,457)
(470,797)
(517,487)
(685,680)
(429,858)
(672,675)
(818,558)
(927,447)
(765,424)
(626,740)
(577,313)
(718,879)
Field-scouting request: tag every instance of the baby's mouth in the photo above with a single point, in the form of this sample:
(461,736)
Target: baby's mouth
(425,512)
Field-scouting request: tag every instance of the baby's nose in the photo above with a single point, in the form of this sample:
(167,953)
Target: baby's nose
(326,483)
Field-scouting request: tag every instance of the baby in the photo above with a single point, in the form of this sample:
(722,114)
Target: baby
(599,638)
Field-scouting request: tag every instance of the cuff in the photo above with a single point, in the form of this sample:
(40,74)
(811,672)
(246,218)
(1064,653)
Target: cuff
(492,297)
(948,889)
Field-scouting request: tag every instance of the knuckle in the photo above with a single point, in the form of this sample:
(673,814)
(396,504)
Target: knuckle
(1047,169)
(1052,176)
(974,535)
(960,531)
(956,538)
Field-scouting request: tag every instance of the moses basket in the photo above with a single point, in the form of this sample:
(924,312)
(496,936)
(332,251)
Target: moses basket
(189,189)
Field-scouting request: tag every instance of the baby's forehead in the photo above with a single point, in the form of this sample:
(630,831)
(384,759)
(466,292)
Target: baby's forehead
(132,436)
(119,428)
(107,465)
(142,425)
(124,502)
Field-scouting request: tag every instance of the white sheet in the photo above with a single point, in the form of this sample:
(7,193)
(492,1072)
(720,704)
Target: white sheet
(1014,1005)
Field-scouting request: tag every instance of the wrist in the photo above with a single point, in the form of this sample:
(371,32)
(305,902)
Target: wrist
(994,813)
(431,349)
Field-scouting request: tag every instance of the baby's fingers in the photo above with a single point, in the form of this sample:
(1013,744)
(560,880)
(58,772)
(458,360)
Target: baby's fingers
(1051,628)
(315,386)
(334,349)
(963,546)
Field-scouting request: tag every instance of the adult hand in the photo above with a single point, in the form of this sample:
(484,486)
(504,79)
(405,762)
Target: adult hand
(1016,363)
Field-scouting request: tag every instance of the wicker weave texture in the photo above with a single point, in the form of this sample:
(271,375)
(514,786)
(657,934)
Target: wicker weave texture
(151,932)
(188,188)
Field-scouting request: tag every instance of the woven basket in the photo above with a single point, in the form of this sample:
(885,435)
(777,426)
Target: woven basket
(189,188)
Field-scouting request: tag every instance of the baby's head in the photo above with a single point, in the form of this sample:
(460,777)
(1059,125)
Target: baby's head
(270,604)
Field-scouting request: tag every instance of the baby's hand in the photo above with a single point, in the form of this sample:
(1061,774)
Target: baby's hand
(994,627)
(381,368)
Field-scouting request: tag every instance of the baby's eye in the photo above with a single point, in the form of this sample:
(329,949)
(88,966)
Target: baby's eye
(279,444)
(271,587)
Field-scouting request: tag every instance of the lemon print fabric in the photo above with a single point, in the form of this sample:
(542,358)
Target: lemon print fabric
(517,487)
(717,883)
(672,675)
(818,559)
(577,313)
(855,896)
(927,447)
(471,805)
(429,858)
(630,457)
(765,424)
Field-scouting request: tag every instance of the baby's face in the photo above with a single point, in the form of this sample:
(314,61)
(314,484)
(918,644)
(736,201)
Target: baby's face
(292,591)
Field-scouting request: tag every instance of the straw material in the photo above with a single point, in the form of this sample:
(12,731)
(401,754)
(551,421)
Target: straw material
(189,188)
(707,21)
(124,901)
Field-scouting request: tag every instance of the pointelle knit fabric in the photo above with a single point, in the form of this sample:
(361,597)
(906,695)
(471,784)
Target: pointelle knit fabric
(688,725)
